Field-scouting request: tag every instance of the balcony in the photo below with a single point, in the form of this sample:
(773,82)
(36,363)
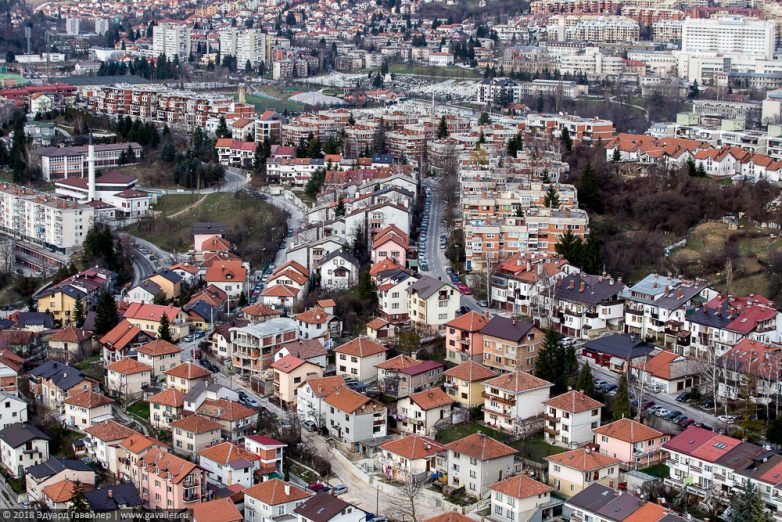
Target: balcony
(551,431)
(497,398)
(550,418)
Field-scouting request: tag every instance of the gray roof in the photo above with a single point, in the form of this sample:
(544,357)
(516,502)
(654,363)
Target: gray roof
(624,346)
(427,286)
(621,507)
(321,507)
(122,495)
(19,433)
(340,253)
(150,286)
(665,292)
(45,319)
(170,275)
(507,328)
(596,289)
(210,228)
(593,498)
(64,377)
(55,465)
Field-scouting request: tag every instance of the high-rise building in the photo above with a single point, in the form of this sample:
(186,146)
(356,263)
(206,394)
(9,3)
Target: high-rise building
(171,40)
(72,26)
(244,45)
(730,35)
(101,26)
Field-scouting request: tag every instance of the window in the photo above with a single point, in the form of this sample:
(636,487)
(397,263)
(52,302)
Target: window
(472,473)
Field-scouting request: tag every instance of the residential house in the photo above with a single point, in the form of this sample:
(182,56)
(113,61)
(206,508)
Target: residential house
(128,378)
(165,407)
(311,350)
(10,367)
(392,292)
(750,367)
(102,441)
(219,510)
(666,371)
(269,452)
(463,339)
(515,399)
(122,340)
(170,482)
(587,306)
(521,499)
(108,499)
(410,457)
(522,283)
(359,357)
(420,412)
(21,446)
(510,344)
(390,243)
(169,282)
(432,303)
(228,276)
(464,383)
(12,409)
(58,496)
(402,375)
(61,300)
(147,291)
(227,464)
(235,420)
(325,507)
(87,408)
(193,433)
(253,346)
(352,417)
(160,355)
(570,419)
(657,303)
(69,344)
(310,404)
(130,453)
(575,470)
(379,328)
(617,350)
(52,382)
(54,470)
(598,502)
(184,376)
(290,372)
(147,318)
(635,444)
(477,461)
(338,271)
(259,312)
(316,323)
(271,499)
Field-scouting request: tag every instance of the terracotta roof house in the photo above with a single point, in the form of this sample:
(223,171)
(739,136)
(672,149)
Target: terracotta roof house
(465,382)
(635,444)
(477,461)
(359,357)
(228,464)
(402,375)
(519,495)
(272,498)
(463,338)
(409,455)
(420,412)
(511,398)
(570,419)
(575,470)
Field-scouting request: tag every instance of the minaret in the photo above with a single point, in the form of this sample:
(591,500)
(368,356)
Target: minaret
(91,171)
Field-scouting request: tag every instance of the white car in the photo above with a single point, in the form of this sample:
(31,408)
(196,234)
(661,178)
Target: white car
(339,489)
(662,412)
(727,419)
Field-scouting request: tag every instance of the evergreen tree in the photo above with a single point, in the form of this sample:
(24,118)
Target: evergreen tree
(484,119)
(569,246)
(539,105)
(242,300)
(591,255)
(551,363)
(259,159)
(248,67)
(551,197)
(692,170)
(774,432)
(78,503)
(587,190)
(164,329)
(567,141)
(314,149)
(105,313)
(168,153)
(366,290)
(442,128)
(360,247)
(222,129)
(584,382)
(617,156)
(78,313)
(701,171)
(621,405)
(18,154)
(748,506)
(339,210)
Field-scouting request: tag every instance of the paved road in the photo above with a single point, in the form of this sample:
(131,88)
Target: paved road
(144,267)
(295,220)
(235,179)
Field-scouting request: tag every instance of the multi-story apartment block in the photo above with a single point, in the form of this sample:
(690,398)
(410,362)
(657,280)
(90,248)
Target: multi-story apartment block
(657,303)
(44,220)
(588,130)
(593,29)
(477,461)
(244,45)
(169,482)
(510,399)
(730,35)
(171,40)
(587,306)
(71,162)
(463,339)
(352,417)
(503,91)
(510,344)
(523,283)
(570,419)
(253,346)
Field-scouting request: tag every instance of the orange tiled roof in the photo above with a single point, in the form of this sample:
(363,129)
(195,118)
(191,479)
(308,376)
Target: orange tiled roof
(470,371)
(224,410)
(128,366)
(347,400)
(260,310)
(584,459)
(159,347)
(361,347)
(168,466)
(628,430)
(275,491)
(109,430)
(470,322)
(451,516)
(573,402)
(170,397)
(189,371)
(60,492)
(323,386)
(521,486)
(136,443)
(431,398)
(227,452)
(480,446)
(314,315)
(196,424)
(218,510)
(518,381)
(70,334)
(88,399)
(413,447)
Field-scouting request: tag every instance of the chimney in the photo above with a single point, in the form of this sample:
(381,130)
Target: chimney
(91,172)
(287,488)
(572,284)
(529,266)
(581,287)
(111,493)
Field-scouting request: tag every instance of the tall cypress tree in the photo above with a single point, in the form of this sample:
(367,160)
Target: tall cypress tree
(584,382)
(587,190)
(621,406)
(551,363)
(164,330)
(105,313)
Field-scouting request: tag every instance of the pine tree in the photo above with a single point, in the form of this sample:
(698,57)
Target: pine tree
(551,197)
(78,313)
(242,300)
(105,313)
(748,506)
(78,503)
(168,153)
(584,383)
(621,405)
(551,363)
(484,119)
(164,329)
(617,156)
(587,190)
(259,158)
(339,210)
(591,255)
(570,246)
(692,170)
(222,128)
(539,104)
(567,141)
(701,171)
(442,128)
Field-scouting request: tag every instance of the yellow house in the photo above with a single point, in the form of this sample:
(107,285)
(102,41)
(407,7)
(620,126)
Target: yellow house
(169,282)
(464,383)
(290,373)
(61,302)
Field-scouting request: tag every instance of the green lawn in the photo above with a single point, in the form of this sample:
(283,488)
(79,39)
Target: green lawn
(459,431)
(430,71)
(658,470)
(87,363)
(535,448)
(264,104)
(140,409)
(173,203)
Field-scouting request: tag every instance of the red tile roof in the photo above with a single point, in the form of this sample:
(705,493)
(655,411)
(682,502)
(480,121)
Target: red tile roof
(413,447)
(480,446)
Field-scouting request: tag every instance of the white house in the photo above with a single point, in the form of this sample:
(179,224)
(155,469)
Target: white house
(54,470)
(393,301)
(310,405)
(575,470)
(87,408)
(570,419)
(518,499)
(144,292)
(102,441)
(477,461)
(12,409)
(513,397)
(325,507)
(21,446)
(271,499)
(338,271)
(160,355)
(432,303)
(418,413)
(228,464)
(359,357)
(410,457)
(352,417)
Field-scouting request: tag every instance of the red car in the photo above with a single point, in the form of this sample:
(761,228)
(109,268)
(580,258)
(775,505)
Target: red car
(463,288)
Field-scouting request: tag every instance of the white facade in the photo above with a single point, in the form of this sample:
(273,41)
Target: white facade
(573,429)
(730,35)
(12,409)
(227,474)
(244,45)
(338,272)
(17,459)
(477,475)
(171,40)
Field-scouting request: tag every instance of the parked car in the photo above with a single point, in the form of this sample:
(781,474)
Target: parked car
(662,412)
(463,288)
(316,486)
(252,402)
(708,404)
(339,489)
(685,422)
(646,405)
(309,426)
(188,338)
(600,383)
(674,415)
(682,396)
(609,388)
(727,419)
(484,303)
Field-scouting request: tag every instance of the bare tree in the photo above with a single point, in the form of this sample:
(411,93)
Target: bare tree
(729,275)
(409,491)
(709,372)
(6,255)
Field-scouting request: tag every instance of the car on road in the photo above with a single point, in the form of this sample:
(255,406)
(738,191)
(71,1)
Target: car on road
(682,396)
(727,419)
(188,338)
(339,489)
(309,426)
(199,335)
(646,405)
(662,412)
(464,289)
(464,309)
(674,415)
(484,303)
(316,486)
(252,402)
(708,404)
(600,384)
(454,278)
(242,395)
(610,388)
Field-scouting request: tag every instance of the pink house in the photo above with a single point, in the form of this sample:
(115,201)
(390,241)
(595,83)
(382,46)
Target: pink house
(390,243)
(170,482)
(635,444)
(463,338)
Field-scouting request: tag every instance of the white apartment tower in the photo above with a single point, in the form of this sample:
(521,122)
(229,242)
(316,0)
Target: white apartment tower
(243,44)
(171,40)
(72,26)
(730,35)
